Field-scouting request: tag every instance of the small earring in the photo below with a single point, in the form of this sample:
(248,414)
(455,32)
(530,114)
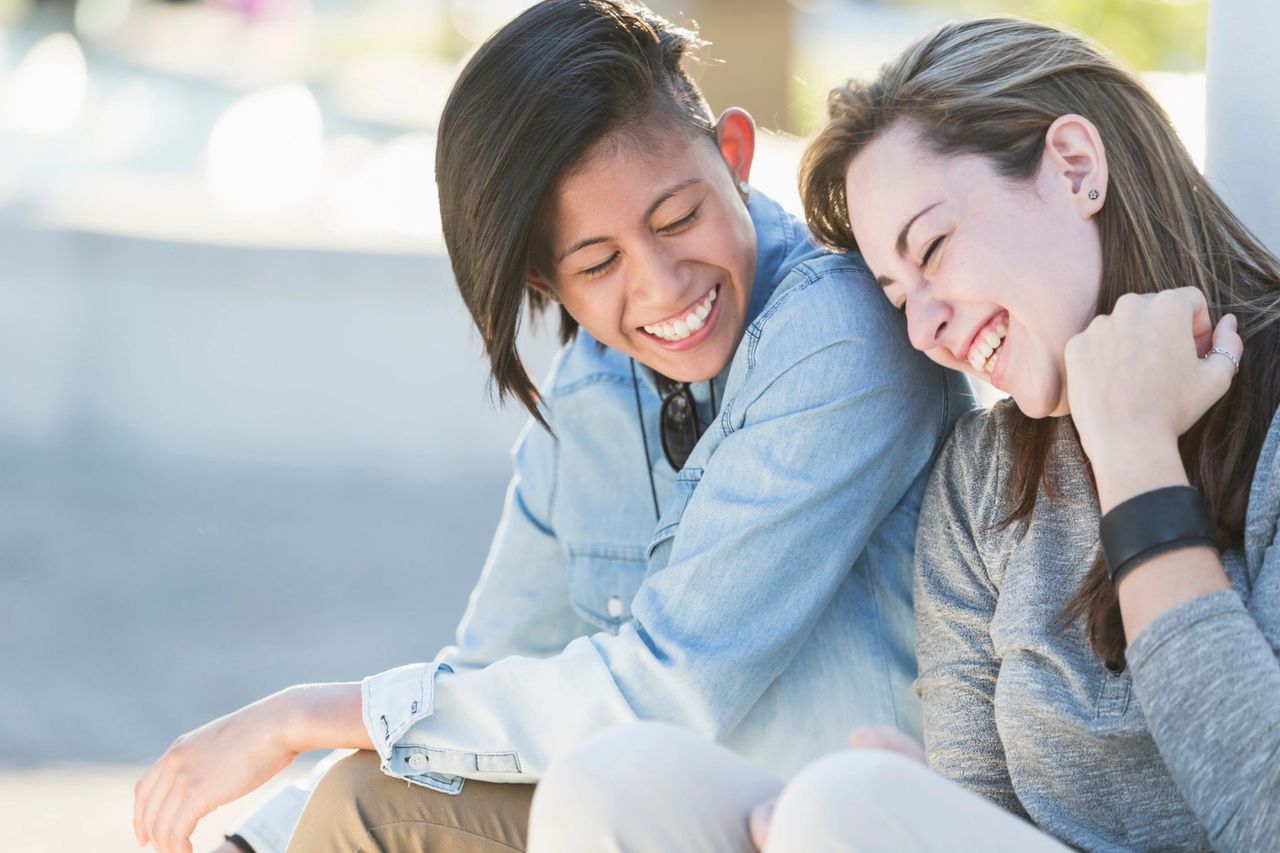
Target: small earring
(745,189)
(1093,195)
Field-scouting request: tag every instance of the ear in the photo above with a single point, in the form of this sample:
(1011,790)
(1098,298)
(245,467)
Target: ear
(736,136)
(1076,160)
(536,281)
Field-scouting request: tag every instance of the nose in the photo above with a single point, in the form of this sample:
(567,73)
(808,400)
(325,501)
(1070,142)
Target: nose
(659,280)
(927,319)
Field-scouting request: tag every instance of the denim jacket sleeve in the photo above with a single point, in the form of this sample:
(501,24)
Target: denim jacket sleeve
(519,607)
(828,419)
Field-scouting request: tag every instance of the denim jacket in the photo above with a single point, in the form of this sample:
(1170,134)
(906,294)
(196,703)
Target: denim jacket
(766,603)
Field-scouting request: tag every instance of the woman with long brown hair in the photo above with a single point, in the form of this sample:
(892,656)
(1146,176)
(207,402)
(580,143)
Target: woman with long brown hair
(1097,586)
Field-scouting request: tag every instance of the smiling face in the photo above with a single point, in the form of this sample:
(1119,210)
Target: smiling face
(652,250)
(995,275)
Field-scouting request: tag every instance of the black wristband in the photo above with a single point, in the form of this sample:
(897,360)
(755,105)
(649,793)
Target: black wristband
(1151,524)
(239,843)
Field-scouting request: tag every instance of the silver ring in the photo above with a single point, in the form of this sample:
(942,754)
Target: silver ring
(1231,357)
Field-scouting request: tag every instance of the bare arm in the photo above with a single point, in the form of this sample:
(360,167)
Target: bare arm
(194,776)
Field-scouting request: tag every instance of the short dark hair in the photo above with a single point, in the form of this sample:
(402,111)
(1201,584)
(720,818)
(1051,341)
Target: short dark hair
(525,110)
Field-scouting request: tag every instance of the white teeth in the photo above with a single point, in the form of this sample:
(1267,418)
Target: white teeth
(684,327)
(986,349)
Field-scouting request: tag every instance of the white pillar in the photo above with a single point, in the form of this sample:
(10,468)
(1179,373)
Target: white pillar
(1242,156)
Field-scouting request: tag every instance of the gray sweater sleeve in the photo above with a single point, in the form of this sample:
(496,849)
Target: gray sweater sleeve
(1209,683)
(955,601)
(1207,677)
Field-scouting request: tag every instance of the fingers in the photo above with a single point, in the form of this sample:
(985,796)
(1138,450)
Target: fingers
(1202,328)
(869,736)
(171,831)
(759,822)
(886,737)
(1218,370)
(142,794)
(162,816)
(157,800)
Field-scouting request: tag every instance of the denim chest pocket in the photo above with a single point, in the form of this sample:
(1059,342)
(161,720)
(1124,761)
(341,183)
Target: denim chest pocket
(602,582)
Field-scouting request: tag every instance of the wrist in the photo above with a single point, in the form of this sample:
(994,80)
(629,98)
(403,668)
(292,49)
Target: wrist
(1126,467)
(291,708)
(322,716)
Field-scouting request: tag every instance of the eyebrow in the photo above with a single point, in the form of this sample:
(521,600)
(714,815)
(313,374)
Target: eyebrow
(901,244)
(649,211)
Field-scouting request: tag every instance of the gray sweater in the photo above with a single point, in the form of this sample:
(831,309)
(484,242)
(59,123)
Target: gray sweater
(1179,751)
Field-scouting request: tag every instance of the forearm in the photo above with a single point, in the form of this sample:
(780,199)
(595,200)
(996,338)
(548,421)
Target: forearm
(1209,686)
(323,716)
(1126,469)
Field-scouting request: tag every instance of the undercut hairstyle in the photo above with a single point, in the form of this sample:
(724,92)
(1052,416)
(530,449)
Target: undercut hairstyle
(526,111)
(991,88)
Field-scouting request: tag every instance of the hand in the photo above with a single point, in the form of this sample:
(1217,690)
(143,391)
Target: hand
(759,821)
(205,768)
(863,737)
(1138,378)
(886,737)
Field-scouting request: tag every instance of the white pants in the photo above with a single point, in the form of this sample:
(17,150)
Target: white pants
(655,788)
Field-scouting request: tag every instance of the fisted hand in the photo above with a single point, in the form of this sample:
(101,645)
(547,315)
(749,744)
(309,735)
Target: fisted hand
(1145,373)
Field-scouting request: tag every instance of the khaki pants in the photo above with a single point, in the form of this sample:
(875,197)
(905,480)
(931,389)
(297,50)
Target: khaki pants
(356,808)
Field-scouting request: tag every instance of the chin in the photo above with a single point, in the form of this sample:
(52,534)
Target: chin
(699,372)
(1033,406)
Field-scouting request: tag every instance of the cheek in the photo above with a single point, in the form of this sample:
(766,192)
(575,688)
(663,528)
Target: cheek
(597,307)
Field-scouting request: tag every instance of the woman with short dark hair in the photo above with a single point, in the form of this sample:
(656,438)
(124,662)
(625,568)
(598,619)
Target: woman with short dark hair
(712,517)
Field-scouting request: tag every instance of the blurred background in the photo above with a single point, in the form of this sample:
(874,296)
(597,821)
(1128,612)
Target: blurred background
(245,438)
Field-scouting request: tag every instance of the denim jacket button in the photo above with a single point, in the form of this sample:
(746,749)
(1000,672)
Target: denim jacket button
(417,761)
(615,607)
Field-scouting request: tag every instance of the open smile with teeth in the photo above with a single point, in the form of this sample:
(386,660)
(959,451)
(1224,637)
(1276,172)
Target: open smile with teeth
(986,346)
(682,326)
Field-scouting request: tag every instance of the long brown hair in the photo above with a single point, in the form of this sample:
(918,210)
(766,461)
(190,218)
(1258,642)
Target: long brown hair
(525,110)
(992,87)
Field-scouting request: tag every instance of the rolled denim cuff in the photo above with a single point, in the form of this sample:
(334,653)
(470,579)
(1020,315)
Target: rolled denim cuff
(394,700)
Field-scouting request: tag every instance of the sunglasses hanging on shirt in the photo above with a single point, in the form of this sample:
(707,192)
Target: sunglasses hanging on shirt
(678,422)
(678,425)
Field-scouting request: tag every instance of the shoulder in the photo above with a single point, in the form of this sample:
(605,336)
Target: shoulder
(826,299)
(975,459)
(982,435)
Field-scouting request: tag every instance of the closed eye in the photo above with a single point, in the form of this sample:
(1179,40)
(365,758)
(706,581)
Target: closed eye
(928,253)
(682,223)
(601,268)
